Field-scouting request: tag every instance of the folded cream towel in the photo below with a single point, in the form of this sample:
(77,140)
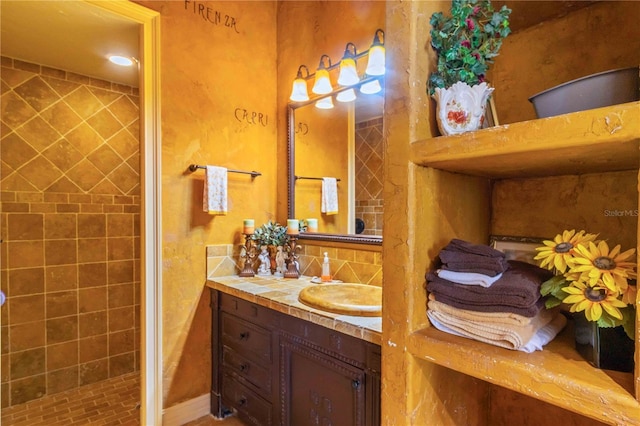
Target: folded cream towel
(468,278)
(329,203)
(541,338)
(214,198)
(507,318)
(507,336)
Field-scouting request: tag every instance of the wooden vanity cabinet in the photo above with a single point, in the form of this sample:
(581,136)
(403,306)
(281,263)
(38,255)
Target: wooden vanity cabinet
(275,369)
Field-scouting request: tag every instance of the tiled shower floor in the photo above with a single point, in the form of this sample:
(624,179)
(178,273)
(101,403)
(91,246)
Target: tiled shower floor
(110,402)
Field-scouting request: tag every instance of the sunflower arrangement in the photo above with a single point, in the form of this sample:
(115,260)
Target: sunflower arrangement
(590,278)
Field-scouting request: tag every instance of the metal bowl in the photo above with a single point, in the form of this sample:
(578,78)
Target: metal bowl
(594,91)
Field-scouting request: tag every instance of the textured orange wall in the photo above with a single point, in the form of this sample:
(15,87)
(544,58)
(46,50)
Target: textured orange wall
(211,72)
(601,37)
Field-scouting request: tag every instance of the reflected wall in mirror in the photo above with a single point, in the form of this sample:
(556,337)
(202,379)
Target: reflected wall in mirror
(344,142)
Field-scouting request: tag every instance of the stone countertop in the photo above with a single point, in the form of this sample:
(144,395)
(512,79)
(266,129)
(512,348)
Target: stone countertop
(281,294)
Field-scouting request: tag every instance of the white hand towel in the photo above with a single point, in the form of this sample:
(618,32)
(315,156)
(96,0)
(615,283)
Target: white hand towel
(329,203)
(214,198)
(545,334)
(468,278)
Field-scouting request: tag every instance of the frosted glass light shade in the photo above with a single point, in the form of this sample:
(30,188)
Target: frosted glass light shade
(299,90)
(346,96)
(322,85)
(325,103)
(376,64)
(348,73)
(371,87)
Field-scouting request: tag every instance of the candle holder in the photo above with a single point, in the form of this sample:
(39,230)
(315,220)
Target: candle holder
(250,253)
(292,267)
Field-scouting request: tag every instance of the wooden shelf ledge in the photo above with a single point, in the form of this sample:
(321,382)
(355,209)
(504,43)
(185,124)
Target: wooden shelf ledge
(598,140)
(558,375)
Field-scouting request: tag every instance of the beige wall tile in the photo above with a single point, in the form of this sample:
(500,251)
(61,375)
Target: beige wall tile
(62,329)
(25,336)
(92,324)
(61,304)
(25,281)
(94,371)
(60,226)
(59,278)
(92,274)
(27,363)
(60,252)
(62,355)
(62,380)
(94,348)
(92,299)
(27,389)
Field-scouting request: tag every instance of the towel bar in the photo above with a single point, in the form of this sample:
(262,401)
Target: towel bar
(253,173)
(312,178)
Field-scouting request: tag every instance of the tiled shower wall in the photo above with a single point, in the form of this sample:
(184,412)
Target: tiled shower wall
(369,175)
(70,261)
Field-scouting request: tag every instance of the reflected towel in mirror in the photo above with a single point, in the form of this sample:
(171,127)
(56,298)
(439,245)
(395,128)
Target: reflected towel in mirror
(214,198)
(329,203)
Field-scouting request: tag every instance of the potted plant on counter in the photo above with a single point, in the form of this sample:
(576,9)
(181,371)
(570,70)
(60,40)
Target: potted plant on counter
(466,43)
(268,238)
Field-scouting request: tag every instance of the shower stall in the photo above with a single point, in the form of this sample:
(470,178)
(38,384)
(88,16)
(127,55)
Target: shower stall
(70,214)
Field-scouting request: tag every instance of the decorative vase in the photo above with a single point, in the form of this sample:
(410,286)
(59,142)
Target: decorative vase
(461,108)
(605,348)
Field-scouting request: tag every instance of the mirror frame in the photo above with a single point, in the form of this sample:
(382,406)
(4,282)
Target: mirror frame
(291,196)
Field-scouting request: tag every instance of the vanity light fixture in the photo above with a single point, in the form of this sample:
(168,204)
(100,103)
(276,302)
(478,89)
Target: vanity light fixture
(348,95)
(325,103)
(123,61)
(322,85)
(371,87)
(376,64)
(299,90)
(348,74)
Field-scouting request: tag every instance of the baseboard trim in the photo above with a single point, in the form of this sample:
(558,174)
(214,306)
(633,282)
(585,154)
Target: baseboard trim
(187,411)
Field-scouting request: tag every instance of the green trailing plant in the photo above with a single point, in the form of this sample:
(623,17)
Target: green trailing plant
(271,234)
(466,42)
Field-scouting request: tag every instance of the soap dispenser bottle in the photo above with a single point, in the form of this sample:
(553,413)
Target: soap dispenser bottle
(326,269)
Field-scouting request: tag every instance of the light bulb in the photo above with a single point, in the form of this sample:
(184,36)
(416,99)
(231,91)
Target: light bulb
(346,96)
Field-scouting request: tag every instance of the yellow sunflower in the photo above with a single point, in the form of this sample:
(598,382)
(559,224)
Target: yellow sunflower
(592,300)
(597,263)
(629,295)
(558,253)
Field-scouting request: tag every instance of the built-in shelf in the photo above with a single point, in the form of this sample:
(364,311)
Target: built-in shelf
(594,141)
(598,140)
(558,374)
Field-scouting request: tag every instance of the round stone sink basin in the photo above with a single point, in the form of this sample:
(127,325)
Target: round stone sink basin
(345,298)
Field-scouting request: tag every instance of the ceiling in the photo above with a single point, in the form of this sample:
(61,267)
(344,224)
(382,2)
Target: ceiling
(69,35)
(77,36)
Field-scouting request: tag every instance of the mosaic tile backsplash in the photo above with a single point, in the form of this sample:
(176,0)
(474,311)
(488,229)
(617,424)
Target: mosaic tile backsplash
(348,265)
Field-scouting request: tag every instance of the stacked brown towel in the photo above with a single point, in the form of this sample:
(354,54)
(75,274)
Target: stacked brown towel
(517,291)
(509,312)
(462,256)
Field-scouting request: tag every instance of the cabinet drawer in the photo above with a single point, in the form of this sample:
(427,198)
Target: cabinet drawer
(250,406)
(246,369)
(248,339)
(248,310)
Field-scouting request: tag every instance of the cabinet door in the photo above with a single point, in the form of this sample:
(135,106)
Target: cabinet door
(317,389)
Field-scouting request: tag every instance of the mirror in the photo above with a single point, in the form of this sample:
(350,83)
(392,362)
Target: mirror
(344,142)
